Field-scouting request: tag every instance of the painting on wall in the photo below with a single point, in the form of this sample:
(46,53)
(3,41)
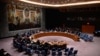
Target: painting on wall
(24,18)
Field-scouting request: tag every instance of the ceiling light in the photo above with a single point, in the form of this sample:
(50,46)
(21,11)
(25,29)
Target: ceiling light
(60,5)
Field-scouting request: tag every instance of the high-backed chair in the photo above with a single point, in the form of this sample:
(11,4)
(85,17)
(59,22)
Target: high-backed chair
(69,53)
(75,52)
(53,53)
(71,49)
(91,38)
(66,51)
(59,53)
(29,51)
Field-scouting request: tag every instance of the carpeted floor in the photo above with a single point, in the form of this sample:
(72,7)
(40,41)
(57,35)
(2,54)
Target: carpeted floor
(84,48)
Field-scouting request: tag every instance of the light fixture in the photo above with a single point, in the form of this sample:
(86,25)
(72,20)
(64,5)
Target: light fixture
(60,5)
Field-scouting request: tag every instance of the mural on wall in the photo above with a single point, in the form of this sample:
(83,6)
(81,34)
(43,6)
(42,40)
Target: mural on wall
(23,17)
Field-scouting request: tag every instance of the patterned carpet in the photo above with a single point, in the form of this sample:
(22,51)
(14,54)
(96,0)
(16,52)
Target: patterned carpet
(84,48)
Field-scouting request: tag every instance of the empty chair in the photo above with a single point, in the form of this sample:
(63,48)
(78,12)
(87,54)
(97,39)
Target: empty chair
(81,35)
(91,38)
(85,39)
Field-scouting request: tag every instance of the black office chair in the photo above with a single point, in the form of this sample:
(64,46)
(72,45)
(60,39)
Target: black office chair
(71,49)
(69,53)
(75,52)
(66,51)
(59,53)
(53,53)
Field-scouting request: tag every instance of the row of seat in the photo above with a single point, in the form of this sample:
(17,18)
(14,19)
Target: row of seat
(86,37)
(45,51)
(66,52)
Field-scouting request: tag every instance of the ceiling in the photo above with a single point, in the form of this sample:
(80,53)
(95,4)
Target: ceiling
(58,3)
(61,3)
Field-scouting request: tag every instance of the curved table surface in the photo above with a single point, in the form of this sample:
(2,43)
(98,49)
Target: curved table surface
(65,34)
